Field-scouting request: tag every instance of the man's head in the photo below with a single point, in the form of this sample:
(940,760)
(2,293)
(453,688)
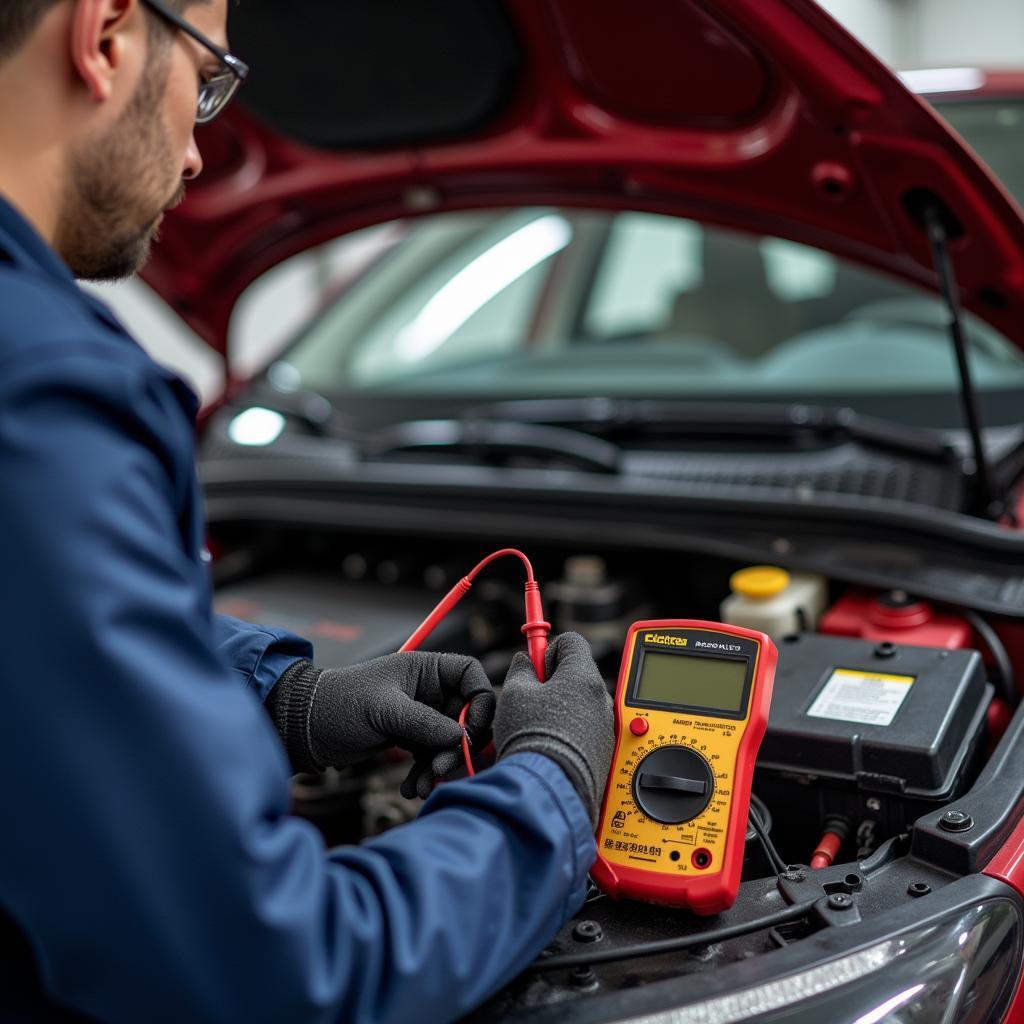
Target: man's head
(112,88)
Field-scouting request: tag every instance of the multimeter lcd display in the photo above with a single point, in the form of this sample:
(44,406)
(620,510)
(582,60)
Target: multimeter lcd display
(713,683)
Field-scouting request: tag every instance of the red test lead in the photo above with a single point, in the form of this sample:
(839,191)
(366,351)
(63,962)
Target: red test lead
(535,628)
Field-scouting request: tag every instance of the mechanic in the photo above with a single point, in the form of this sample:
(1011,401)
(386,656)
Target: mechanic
(149,869)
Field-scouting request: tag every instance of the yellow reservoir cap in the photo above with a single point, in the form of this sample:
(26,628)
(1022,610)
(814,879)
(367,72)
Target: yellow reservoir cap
(759,582)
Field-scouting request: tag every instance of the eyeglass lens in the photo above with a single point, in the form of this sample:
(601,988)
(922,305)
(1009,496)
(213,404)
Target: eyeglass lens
(215,95)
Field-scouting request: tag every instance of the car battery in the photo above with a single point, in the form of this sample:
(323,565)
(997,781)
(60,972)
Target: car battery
(875,733)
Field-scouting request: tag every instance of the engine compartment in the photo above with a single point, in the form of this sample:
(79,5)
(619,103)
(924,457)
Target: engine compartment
(864,782)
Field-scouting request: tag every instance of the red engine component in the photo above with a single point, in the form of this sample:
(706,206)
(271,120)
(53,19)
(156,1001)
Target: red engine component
(825,853)
(897,618)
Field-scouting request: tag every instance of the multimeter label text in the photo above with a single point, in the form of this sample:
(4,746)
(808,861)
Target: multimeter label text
(666,638)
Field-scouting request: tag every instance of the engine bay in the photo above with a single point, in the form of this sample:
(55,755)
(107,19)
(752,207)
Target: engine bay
(873,797)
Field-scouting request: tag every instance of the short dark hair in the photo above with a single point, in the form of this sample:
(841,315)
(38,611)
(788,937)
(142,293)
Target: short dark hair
(18,18)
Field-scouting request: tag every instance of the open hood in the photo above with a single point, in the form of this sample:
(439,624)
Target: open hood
(760,115)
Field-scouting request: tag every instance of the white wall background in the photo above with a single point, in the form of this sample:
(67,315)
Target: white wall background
(871,21)
(937,33)
(988,32)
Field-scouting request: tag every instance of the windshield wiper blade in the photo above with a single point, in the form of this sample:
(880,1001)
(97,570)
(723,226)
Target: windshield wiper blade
(708,420)
(485,438)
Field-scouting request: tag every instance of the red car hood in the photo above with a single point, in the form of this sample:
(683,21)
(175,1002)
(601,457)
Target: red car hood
(761,115)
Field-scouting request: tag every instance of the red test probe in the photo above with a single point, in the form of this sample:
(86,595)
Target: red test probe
(535,629)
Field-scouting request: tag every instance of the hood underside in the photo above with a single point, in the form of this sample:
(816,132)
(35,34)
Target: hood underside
(759,115)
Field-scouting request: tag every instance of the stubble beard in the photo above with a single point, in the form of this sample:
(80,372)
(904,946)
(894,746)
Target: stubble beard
(118,189)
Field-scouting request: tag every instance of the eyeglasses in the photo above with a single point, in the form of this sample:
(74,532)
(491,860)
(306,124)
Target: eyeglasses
(217,92)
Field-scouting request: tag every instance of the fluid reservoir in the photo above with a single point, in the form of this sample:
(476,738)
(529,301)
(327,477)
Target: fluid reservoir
(896,617)
(774,601)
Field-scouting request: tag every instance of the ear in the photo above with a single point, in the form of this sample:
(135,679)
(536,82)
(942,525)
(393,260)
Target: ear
(99,43)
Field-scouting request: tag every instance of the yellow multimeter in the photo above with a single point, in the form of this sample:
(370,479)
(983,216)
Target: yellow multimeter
(691,708)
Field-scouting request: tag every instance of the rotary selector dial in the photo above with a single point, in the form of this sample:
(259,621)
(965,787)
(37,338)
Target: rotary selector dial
(673,784)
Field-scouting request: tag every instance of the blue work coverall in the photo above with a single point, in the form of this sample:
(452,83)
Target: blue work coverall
(149,870)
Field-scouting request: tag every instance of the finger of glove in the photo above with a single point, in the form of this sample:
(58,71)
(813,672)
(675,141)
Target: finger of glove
(479,711)
(425,773)
(420,677)
(569,657)
(410,723)
(480,714)
(425,784)
(521,672)
(445,763)
(410,784)
(461,674)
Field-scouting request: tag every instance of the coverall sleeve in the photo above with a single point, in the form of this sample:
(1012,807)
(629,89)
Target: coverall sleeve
(151,863)
(259,655)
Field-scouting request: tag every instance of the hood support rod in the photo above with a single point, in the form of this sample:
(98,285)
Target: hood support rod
(983,500)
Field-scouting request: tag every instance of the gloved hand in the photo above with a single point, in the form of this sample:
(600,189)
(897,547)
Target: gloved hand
(334,717)
(569,718)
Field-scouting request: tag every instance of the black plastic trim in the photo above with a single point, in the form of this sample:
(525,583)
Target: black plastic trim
(825,945)
(344,76)
(995,802)
(548,485)
(970,563)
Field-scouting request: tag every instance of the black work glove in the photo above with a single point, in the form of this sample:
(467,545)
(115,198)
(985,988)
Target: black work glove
(569,718)
(334,717)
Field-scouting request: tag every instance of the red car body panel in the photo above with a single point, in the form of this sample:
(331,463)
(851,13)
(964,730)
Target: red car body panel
(760,115)
(1008,866)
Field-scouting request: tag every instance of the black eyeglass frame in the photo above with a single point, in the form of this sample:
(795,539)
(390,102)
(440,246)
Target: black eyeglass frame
(238,69)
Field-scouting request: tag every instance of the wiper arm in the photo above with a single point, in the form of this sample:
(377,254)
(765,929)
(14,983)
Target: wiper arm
(485,438)
(706,420)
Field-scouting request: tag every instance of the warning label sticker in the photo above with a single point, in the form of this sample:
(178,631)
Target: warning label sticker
(850,695)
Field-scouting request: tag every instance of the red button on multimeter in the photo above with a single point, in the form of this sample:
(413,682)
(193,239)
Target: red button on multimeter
(691,708)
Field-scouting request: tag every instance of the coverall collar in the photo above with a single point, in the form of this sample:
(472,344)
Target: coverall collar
(23,246)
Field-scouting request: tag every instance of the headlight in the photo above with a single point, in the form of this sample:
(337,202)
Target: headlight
(963,968)
(256,427)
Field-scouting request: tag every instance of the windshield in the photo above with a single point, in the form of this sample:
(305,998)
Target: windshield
(544,301)
(995,131)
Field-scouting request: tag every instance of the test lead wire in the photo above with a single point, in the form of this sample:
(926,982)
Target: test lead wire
(535,628)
